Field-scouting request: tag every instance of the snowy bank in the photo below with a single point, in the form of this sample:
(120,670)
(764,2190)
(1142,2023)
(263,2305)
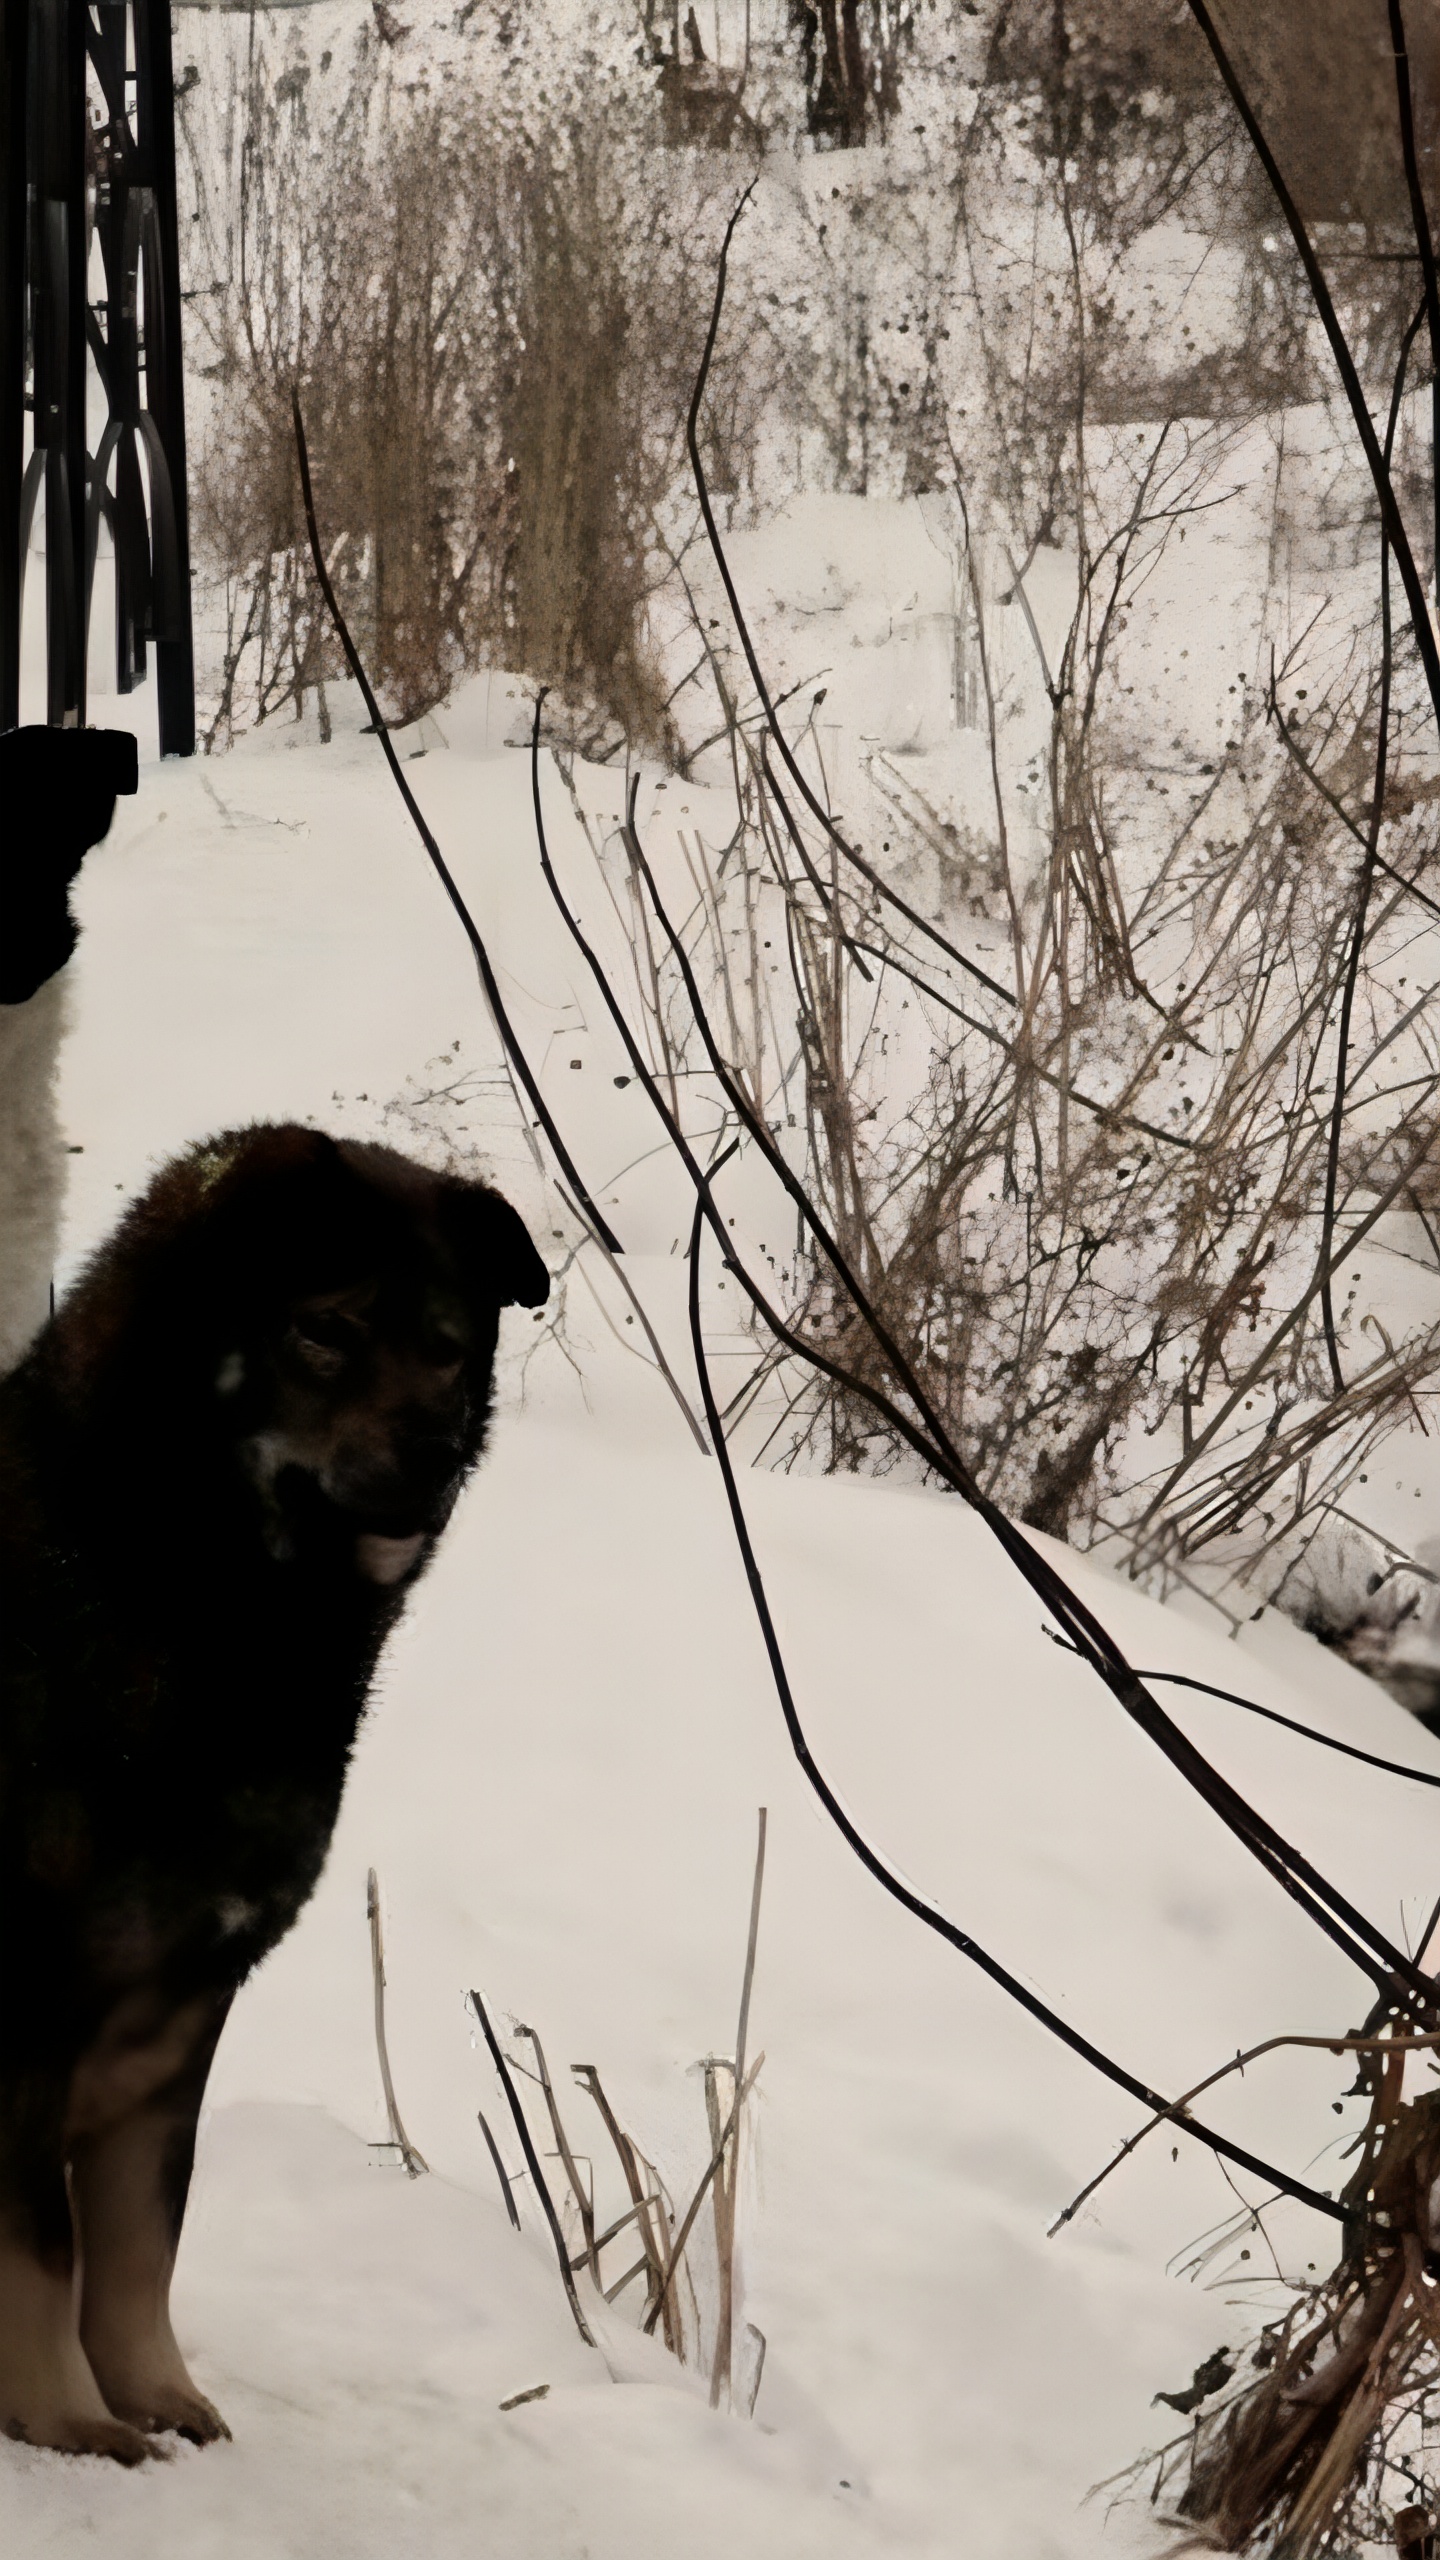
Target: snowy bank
(558,1787)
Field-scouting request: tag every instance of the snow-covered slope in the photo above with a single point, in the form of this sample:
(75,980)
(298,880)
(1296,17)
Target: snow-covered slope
(558,1786)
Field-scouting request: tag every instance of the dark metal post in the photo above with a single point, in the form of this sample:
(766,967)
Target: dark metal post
(164,374)
(14,32)
(57,283)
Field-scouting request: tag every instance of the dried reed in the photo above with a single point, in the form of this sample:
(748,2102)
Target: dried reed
(664,2234)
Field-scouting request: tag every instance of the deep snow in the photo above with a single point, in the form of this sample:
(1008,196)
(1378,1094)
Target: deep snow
(558,1786)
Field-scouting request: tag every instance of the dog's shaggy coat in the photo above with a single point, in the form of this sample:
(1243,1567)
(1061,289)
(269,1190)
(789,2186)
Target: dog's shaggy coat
(222,1466)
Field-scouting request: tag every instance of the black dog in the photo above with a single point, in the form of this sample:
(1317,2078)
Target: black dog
(221,1468)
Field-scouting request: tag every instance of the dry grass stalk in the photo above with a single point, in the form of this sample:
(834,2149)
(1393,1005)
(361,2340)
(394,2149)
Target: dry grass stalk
(399,2140)
(584,2204)
(532,2162)
(648,2208)
(726,2185)
(493,2147)
(650,2217)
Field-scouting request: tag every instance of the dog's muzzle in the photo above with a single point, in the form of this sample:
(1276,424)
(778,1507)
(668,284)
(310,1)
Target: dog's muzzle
(387,1560)
(381,1530)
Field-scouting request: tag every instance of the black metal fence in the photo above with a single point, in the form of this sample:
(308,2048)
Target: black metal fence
(89,253)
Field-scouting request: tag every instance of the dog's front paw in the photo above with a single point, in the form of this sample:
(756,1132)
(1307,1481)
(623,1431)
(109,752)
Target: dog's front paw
(170,2409)
(49,2395)
(80,2433)
(188,2414)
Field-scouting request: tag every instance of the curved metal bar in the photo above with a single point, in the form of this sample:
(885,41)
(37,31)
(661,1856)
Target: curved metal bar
(164,539)
(97,501)
(29,492)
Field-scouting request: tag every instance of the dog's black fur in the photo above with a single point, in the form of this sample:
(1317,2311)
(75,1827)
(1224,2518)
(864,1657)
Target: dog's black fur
(222,1466)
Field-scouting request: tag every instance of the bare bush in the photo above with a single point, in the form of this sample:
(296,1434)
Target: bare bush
(489,356)
(1095,1149)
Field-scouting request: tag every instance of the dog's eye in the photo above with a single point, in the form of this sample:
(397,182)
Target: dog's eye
(443,1350)
(324,1338)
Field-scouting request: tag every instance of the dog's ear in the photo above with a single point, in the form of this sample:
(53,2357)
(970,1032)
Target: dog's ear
(195,1255)
(499,1265)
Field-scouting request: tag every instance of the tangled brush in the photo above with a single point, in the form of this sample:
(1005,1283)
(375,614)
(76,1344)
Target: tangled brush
(1341,2396)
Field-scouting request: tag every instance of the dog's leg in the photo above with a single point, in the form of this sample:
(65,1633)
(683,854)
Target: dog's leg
(130,2180)
(48,2392)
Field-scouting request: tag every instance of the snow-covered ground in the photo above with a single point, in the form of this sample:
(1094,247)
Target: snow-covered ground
(558,1786)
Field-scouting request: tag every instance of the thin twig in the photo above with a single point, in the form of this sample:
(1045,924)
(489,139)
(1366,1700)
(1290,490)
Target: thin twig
(1174,2114)
(1365,882)
(1332,1911)
(1390,515)
(1425,246)
(514,1054)
(757,677)
(1272,1715)
(885,1875)
(662,1364)
(1294,1875)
